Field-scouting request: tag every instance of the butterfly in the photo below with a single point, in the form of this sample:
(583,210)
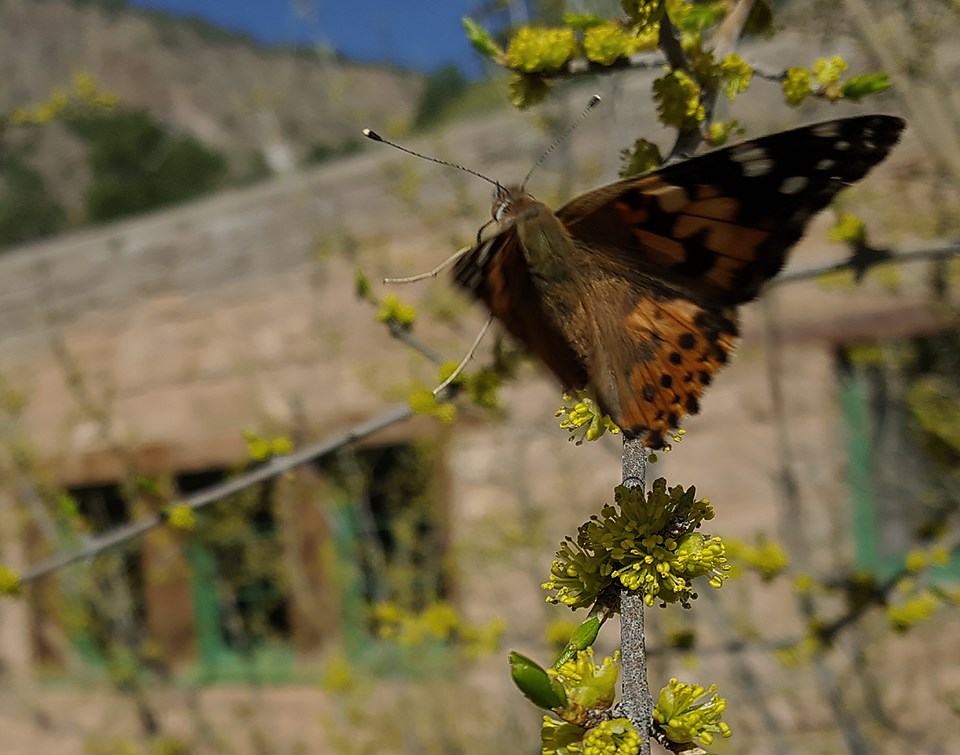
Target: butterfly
(630,291)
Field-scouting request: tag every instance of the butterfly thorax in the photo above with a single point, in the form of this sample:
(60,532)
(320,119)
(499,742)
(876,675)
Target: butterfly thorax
(545,242)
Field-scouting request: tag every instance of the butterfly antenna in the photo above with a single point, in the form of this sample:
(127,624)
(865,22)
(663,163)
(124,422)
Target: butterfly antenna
(374,136)
(594,101)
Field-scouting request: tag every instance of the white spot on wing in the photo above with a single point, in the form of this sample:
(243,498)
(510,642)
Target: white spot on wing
(825,164)
(827,129)
(756,168)
(841,145)
(793,184)
(747,153)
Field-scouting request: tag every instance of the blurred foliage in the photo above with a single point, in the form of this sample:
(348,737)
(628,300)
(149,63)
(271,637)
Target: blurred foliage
(322,152)
(933,398)
(137,165)
(250,168)
(28,210)
(442,88)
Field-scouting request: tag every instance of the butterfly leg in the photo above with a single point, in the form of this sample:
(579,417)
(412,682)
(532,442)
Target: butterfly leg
(466,358)
(433,273)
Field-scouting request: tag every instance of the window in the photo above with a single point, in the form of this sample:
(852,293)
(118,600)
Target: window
(388,527)
(897,401)
(109,609)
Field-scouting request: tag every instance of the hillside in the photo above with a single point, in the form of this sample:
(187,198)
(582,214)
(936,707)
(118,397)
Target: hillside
(258,106)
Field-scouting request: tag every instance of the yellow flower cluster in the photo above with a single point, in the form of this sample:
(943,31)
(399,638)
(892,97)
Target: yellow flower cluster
(646,543)
(827,72)
(766,557)
(614,737)
(796,85)
(798,82)
(678,100)
(425,402)
(606,43)
(736,74)
(584,416)
(644,12)
(10,583)
(537,49)
(85,94)
(588,689)
(684,716)
(261,449)
(848,229)
(438,622)
(395,311)
(643,157)
(919,608)
(182,517)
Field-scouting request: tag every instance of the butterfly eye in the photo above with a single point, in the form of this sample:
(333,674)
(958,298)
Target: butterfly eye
(500,209)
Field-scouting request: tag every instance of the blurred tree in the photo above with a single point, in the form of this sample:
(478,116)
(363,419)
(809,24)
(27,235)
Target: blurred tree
(27,209)
(138,166)
(442,87)
(322,152)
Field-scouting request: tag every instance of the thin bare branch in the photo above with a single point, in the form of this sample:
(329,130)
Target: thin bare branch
(929,250)
(270,469)
(640,61)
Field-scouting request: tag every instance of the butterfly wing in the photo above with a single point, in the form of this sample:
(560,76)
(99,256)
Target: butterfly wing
(671,254)
(654,266)
(653,351)
(720,225)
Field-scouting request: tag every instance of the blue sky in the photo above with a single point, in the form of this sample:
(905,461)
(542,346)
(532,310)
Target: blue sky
(421,34)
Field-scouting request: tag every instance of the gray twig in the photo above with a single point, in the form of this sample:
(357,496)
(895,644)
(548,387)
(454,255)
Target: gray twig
(270,469)
(636,703)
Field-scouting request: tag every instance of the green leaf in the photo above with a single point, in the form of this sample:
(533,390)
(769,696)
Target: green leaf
(526,90)
(861,86)
(643,157)
(362,284)
(480,38)
(535,683)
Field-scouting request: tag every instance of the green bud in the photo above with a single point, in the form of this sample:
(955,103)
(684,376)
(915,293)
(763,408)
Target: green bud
(480,38)
(361,284)
(859,87)
(583,637)
(535,684)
